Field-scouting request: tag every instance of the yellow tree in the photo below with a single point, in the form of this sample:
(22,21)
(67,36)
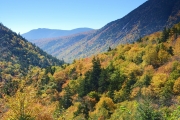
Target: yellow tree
(25,106)
(104,108)
(176,87)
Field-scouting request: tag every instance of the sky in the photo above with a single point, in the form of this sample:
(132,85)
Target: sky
(22,16)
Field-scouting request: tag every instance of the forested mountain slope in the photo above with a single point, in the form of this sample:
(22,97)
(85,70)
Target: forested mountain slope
(138,81)
(55,46)
(150,17)
(17,55)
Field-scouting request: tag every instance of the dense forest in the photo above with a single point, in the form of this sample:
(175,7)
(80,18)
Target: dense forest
(138,81)
(16,50)
(17,58)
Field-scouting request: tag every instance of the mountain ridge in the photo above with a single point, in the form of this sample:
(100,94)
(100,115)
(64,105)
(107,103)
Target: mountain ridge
(42,33)
(150,17)
(22,54)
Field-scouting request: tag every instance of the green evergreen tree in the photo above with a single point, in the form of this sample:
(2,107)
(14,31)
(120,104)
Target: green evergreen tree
(147,80)
(170,51)
(103,81)
(66,100)
(139,40)
(115,81)
(84,87)
(129,84)
(165,35)
(95,74)
(109,49)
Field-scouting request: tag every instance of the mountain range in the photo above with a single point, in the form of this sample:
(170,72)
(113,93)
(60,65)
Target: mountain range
(41,33)
(152,16)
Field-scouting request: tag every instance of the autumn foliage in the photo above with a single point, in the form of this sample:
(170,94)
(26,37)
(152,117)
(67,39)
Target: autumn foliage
(136,81)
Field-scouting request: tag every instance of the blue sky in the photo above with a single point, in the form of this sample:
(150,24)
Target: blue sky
(25,15)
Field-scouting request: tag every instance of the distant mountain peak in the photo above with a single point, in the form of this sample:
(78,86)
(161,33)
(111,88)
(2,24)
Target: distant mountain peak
(41,33)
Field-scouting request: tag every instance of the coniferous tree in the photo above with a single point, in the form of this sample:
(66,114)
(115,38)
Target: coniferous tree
(147,80)
(129,83)
(171,51)
(109,49)
(165,35)
(115,81)
(84,87)
(139,40)
(95,74)
(66,100)
(91,80)
(103,81)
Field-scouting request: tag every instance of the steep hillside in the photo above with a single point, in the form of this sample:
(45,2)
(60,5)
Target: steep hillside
(152,16)
(42,33)
(139,81)
(17,55)
(55,46)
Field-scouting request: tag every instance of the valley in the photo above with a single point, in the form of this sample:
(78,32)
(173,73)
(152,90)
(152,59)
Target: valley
(138,23)
(127,70)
